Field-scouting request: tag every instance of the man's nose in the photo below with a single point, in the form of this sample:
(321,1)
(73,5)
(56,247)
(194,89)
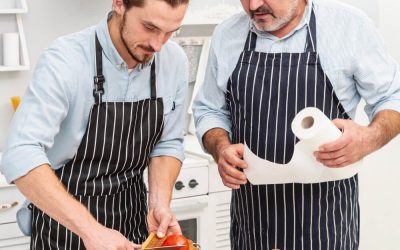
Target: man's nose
(255,4)
(157,42)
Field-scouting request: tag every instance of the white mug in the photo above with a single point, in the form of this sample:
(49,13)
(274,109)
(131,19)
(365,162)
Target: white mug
(11,49)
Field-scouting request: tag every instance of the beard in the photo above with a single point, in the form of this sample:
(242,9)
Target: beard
(277,22)
(134,48)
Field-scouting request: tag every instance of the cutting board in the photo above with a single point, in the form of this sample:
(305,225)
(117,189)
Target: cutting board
(154,241)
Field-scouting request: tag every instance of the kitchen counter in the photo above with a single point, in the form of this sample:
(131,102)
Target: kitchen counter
(3,182)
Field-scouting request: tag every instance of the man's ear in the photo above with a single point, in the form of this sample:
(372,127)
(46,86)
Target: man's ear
(118,7)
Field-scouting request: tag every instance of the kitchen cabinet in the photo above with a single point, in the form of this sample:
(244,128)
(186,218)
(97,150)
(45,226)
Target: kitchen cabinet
(10,201)
(210,11)
(11,21)
(220,220)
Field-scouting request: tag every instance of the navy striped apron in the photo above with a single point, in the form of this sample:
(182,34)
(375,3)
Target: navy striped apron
(264,93)
(106,173)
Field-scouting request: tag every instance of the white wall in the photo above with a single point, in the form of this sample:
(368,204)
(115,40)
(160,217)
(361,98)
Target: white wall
(379,188)
(379,199)
(45,21)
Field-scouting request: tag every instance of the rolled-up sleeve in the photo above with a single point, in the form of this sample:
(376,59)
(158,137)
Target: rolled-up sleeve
(38,117)
(171,141)
(376,72)
(210,109)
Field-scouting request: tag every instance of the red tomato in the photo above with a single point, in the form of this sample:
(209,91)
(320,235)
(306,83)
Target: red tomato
(174,240)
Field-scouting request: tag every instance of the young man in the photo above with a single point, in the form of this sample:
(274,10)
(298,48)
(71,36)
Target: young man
(103,104)
(265,66)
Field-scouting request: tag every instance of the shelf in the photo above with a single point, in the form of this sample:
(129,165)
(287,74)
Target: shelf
(23,8)
(210,12)
(14,68)
(16,7)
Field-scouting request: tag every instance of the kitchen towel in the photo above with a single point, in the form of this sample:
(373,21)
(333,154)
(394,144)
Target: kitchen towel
(11,49)
(313,129)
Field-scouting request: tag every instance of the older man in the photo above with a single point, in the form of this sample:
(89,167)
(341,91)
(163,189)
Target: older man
(78,147)
(266,65)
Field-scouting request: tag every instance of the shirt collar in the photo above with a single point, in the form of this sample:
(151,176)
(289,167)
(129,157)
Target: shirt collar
(109,49)
(304,21)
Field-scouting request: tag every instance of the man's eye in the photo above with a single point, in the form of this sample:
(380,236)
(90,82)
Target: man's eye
(149,27)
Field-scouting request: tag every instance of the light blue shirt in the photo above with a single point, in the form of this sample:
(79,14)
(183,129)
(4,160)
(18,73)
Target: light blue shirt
(351,52)
(52,118)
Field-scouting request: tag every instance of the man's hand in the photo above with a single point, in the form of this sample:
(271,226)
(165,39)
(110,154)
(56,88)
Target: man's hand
(163,222)
(102,238)
(355,143)
(230,157)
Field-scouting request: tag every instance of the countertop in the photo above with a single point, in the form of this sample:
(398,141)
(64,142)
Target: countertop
(3,182)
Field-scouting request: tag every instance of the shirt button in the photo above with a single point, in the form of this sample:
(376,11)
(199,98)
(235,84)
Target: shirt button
(120,66)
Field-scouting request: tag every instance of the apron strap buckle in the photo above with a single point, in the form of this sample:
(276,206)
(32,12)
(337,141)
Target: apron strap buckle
(98,90)
(99,80)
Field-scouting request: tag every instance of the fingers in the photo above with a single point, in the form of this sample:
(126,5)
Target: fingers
(174,227)
(231,177)
(233,155)
(345,150)
(163,227)
(229,159)
(336,162)
(133,246)
(340,143)
(322,156)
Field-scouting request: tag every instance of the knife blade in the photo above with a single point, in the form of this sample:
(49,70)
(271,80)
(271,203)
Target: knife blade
(164,247)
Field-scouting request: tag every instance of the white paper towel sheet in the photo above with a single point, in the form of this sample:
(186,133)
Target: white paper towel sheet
(313,129)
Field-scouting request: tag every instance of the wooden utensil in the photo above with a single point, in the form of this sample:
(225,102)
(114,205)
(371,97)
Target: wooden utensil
(154,241)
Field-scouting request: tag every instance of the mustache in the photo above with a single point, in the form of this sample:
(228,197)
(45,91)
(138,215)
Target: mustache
(261,10)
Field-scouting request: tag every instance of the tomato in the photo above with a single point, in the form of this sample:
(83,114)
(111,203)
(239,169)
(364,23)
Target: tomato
(174,240)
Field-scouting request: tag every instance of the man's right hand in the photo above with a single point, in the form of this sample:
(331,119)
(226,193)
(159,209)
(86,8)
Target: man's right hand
(230,157)
(102,238)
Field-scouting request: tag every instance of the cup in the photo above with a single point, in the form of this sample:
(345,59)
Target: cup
(15,100)
(11,49)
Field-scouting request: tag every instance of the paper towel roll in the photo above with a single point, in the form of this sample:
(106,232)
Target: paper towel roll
(11,49)
(314,128)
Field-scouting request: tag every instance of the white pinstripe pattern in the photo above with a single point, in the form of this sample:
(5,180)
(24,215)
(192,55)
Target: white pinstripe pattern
(108,167)
(314,205)
(94,152)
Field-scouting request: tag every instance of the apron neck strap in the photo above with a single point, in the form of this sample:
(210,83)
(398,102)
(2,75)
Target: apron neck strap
(153,86)
(251,41)
(99,79)
(311,43)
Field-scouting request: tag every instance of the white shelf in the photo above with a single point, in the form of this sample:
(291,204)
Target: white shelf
(210,11)
(17,7)
(14,68)
(22,8)
(13,11)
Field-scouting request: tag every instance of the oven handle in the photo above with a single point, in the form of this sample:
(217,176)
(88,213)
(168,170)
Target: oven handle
(184,206)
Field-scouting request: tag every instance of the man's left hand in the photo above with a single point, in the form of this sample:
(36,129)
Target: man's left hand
(162,221)
(355,143)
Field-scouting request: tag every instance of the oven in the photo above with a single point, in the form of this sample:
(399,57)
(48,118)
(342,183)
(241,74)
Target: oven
(217,214)
(190,201)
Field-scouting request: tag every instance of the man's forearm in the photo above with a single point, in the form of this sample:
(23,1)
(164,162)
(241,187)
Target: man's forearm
(43,188)
(383,128)
(215,139)
(163,172)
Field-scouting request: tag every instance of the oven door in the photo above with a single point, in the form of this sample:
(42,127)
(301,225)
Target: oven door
(192,215)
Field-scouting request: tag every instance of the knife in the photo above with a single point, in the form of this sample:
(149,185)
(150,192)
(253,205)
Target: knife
(164,247)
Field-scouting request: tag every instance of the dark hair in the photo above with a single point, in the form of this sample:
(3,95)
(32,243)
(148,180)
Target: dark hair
(140,3)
